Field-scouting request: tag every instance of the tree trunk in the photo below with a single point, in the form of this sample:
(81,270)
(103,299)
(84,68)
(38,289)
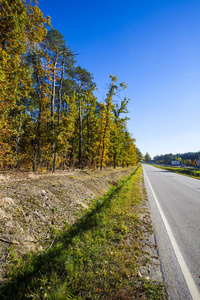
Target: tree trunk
(59,108)
(52,113)
(80,135)
(60,91)
(38,137)
(104,136)
(114,159)
(17,145)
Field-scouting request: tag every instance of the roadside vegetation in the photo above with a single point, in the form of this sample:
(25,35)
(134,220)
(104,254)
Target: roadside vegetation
(50,117)
(96,258)
(181,170)
(184,158)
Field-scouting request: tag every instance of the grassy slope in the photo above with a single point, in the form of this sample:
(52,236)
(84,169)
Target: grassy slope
(97,258)
(184,171)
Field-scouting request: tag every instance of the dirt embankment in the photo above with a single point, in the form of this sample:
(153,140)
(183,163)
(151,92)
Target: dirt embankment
(33,207)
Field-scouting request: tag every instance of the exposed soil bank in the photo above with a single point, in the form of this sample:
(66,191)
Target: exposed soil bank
(33,207)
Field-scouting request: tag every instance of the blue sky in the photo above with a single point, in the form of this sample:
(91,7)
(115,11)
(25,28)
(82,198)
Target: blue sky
(153,46)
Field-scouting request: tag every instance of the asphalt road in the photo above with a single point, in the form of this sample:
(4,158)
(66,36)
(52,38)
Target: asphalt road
(175,206)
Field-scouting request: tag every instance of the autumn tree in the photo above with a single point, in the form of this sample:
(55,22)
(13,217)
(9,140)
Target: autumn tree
(22,25)
(106,119)
(139,155)
(39,107)
(49,115)
(90,129)
(83,81)
(117,135)
(147,157)
(61,59)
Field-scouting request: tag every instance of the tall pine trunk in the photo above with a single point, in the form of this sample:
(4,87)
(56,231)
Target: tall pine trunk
(59,109)
(80,135)
(104,135)
(52,113)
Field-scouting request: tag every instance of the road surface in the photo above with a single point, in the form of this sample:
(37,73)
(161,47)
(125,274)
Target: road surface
(175,206)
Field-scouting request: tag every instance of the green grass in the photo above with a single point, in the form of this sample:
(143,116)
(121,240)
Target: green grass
(97,258)
(180,170)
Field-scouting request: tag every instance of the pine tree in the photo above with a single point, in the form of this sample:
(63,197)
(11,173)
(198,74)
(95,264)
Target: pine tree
(60,57)
(83,82)
(22,25)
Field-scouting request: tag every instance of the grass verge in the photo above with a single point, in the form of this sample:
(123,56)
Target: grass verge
(97,258)
(184,171)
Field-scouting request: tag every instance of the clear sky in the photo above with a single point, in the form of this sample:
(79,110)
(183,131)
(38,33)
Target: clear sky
(153,46)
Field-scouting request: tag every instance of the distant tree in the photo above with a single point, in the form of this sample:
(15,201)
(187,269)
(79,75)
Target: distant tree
(130,151)
(186,158)
(168,159)
(139,155)
(179,159)
(147,157)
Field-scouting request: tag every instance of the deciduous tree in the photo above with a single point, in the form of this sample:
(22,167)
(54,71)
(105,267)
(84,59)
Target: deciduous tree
(147,157)
(22,25)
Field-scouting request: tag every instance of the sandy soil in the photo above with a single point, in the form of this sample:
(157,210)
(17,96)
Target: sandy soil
(33,207)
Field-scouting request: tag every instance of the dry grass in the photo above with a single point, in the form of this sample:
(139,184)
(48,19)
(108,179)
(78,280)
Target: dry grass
(96,258)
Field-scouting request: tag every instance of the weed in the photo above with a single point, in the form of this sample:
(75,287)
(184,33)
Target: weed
(54,209)
(67,224)
(43,170)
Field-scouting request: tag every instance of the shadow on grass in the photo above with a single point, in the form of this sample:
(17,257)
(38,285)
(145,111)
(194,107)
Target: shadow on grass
(27,279)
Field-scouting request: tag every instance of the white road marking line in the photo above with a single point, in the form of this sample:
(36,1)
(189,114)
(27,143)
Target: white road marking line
(186,273)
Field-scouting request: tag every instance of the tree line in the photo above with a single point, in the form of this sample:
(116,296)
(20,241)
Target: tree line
(185,158)
(49,115)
